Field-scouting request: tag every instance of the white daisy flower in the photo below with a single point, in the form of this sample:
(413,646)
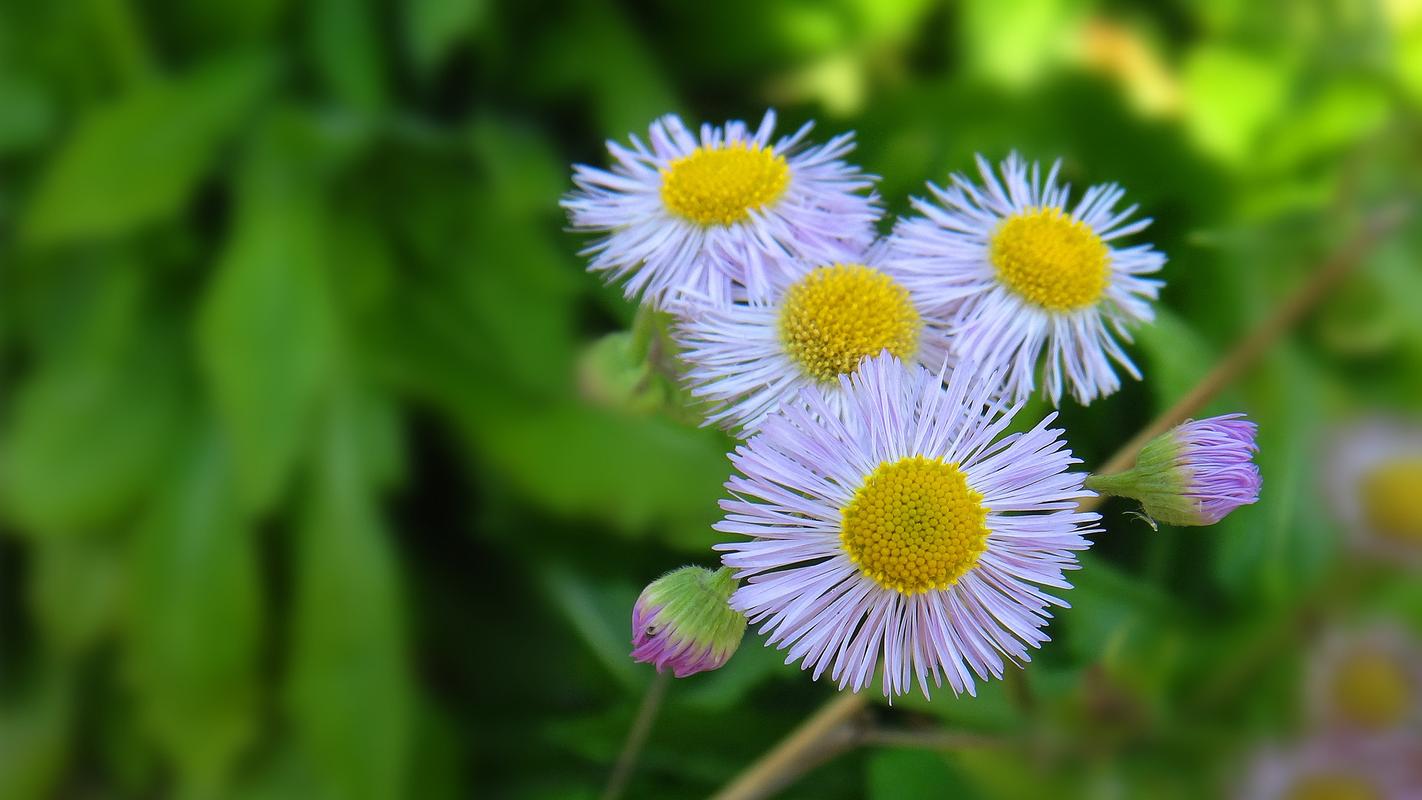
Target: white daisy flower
(1374,483)
(721,214)
(1021,276)
(905,527)
(1366,681)
(747,359)
(1346,767)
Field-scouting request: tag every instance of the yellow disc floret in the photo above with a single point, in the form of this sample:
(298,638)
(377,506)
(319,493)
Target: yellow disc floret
(834,317)
(722,185)
(1370,688)
(1332,786)
(1050,259)
(915,525)
(1392,499)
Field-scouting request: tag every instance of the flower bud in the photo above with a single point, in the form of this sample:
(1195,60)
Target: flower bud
(1194,474)
(682,621)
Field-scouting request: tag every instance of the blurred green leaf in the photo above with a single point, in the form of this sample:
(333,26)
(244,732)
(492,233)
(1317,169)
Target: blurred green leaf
(137,159)
(70,461)
(75,591)
(1232,93)
(350,693)
(600,613)
(266,327)
(34,737)
(434,27)
(907,774)
(640,474)
(29,113)
(345,46)
(196,626)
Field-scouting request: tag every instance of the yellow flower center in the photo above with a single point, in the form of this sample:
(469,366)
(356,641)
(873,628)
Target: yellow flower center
(1392,499)
(834,317)
(1050,259)
(722,185)
(1332,786)
(1371,689)
(915,525)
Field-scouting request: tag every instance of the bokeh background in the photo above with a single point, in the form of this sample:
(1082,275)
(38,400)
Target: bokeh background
(327,472)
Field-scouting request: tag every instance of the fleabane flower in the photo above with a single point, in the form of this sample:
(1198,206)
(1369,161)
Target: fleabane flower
(720,214)
(1194,474)
(907,526)
(681,621)
(1367,681)
(1335,768)
(748,359)
(1029,281)
(1374,484)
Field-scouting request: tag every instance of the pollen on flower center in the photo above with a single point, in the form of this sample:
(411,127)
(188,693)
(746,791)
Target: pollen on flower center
(1372,689)
(1392,499)
(1050,259)
(835,316)
(1332,786)
(915,525)
(721,185)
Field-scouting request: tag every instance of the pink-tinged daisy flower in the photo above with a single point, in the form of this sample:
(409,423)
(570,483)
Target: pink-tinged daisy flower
(747,359)
(1367,682)
(1374,484)
(905,527)
(682,622)
(1030,282)
(1336,768)
(719,215)
(1194,474)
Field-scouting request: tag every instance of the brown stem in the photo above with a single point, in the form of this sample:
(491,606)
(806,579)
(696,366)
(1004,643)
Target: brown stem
(637,736)
(790,757)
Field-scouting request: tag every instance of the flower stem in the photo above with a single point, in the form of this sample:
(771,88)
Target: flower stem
(637,736)
(786,760)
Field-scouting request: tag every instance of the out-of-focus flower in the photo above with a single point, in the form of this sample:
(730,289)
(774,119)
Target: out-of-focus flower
(904,527)
(1374,483)
(719,215)
(1366,682)
(1194,474)
(748,359)
(682,621)
(1335,768)
(1029,283)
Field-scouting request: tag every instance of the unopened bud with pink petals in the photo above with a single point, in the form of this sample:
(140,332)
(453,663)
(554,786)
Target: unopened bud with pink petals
(1194,474)
(683,621)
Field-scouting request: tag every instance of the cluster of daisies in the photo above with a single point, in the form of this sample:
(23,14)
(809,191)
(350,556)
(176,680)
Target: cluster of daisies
(887,522)
(1363,737)
(1363,681)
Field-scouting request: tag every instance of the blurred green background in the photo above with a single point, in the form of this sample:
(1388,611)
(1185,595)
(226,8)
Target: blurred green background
(325,471)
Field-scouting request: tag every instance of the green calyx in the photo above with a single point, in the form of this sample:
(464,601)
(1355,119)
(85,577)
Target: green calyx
(695,601)
(1158,481)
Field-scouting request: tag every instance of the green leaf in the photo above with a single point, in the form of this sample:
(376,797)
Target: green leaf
(350,693)
(196,624)
(91,430)
(433,27)
(1232,94)
(34,737)
(908,774)
(138,158)
(266,327)
(600,613)
(640,474)
(345,45)
(74,591)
